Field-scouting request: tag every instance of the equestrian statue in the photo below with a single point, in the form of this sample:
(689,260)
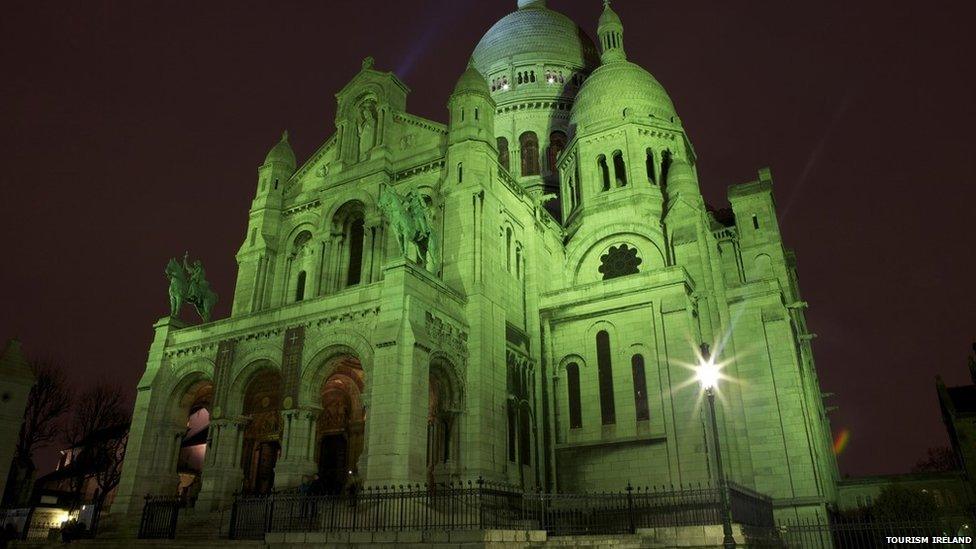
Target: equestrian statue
(188,283)
(410,218)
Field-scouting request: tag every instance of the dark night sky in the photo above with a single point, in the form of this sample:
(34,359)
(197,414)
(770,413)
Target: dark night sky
(131,131)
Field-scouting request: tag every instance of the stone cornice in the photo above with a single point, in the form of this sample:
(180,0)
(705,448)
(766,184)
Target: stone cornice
(425,167)
(419,122)
(315,203)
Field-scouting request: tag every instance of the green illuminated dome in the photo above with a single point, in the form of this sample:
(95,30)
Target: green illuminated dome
(618,88)
(282,153)
(534,33)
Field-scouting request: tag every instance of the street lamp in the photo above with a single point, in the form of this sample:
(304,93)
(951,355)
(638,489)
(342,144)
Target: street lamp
(708,376)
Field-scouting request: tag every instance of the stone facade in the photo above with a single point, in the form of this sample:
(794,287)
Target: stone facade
(540,334)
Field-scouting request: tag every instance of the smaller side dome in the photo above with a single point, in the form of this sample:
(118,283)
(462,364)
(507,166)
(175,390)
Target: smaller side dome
(471,81)
(282,153)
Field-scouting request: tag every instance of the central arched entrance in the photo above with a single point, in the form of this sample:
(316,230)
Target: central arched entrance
(342,422)
(262,437)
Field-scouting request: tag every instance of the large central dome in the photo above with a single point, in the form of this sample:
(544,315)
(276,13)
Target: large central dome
(534,33)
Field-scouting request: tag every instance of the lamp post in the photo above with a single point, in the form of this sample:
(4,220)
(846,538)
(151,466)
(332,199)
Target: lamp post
(708,375)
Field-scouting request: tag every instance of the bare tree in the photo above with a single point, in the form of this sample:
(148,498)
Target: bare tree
(97,434)
(48,400)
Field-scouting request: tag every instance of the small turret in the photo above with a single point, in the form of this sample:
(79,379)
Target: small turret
(278,166)
(611,33)
(472,110)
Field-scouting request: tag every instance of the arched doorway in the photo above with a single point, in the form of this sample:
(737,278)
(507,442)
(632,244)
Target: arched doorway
(443,411)
(193,446)
(342,422)
(262,437)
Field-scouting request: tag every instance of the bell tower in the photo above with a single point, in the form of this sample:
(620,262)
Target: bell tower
(255,258)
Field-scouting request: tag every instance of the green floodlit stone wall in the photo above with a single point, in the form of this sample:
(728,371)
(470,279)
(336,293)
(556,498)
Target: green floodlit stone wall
(564,198)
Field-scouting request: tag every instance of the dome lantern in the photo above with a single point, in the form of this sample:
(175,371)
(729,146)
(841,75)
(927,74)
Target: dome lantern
(611,33)
(522,4)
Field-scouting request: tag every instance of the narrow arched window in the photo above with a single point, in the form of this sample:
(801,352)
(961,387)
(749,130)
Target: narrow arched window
(300,286)
(573,386)
(601,162)
(619,168)
(665,166)
(557,143)
(462,114)
(529,146)
(508,249)
(518,262)
(605,374)
(355,236)
(640,387)
(649,166)
(476,113)
(576,186)
(502,144)
(460,168)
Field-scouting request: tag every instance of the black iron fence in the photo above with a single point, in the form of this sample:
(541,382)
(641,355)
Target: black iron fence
(160,515)
(485,505)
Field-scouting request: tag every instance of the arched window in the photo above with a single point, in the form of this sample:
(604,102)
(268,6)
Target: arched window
(640,387)
(573,386)
(355,239)
(665,166)
(529,145)
(518,262)
(601,162)
(508,249)
(460,168)
(557,143)
(502,144)
(577,196)
(619,169)
(649,166)
(476,113)
(605,374)
(300,286)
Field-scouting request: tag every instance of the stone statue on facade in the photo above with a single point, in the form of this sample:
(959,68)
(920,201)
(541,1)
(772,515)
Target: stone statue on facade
(188,283)
(367,131)
(411,220)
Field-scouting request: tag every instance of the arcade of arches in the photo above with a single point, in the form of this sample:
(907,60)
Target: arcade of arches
(338,433)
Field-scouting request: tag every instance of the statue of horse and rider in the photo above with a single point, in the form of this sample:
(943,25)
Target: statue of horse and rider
(410,218)
(188,283)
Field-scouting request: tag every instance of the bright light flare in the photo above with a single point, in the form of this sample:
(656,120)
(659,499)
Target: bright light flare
(505,87)
(708,373)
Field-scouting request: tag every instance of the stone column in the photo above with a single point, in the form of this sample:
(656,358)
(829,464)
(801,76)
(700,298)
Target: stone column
(366,265)
(222,474)
(298,447)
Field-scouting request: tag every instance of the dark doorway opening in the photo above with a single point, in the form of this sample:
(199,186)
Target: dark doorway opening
(333,462)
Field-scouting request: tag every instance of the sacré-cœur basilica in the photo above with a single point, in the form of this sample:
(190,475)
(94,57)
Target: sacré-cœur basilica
(515,295)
